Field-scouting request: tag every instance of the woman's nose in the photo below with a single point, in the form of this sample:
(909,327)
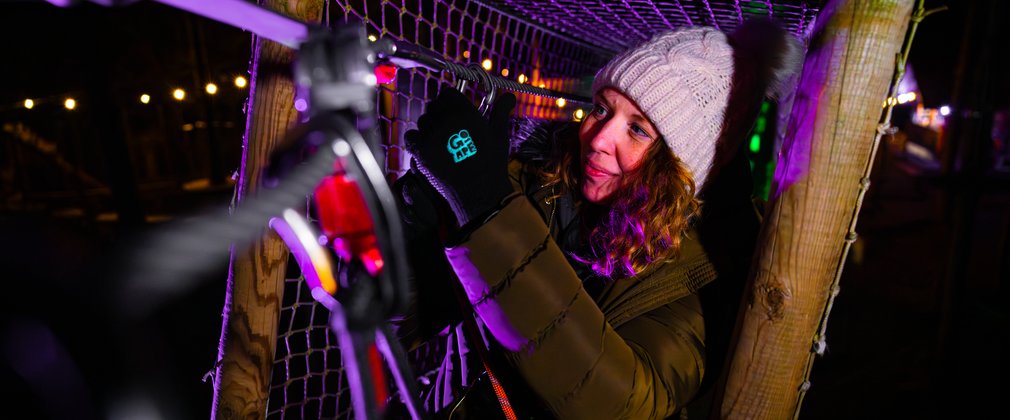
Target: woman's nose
(605,137)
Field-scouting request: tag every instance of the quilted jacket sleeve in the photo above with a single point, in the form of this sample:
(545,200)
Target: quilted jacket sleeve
(533,303)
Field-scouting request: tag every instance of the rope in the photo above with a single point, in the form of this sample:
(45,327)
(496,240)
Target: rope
(819,344)
(499,391)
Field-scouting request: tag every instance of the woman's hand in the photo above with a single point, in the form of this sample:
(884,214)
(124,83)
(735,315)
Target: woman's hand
(462,154)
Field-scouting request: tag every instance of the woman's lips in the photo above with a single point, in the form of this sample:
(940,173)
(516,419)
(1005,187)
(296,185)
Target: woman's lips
(594,171)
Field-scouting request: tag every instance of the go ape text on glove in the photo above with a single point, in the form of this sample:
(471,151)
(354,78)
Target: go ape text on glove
(463,154)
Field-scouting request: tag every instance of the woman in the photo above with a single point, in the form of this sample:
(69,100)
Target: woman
(577,257)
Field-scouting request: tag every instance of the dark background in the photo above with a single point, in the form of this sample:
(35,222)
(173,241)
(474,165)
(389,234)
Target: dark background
(919,328)
(67,349)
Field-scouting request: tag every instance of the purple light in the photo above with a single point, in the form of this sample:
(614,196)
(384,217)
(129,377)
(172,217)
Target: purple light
(945,110)
(40,358)
(490,311)
(301,105)
(908,82)
(248,16)
(819,68)
(302,256)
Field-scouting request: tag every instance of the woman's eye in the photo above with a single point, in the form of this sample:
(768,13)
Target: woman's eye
(640,132)
(599,111)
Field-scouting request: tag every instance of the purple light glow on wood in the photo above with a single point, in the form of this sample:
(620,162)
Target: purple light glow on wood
(820,69)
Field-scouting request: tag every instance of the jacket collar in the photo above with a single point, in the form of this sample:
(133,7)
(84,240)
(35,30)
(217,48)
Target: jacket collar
(621,299)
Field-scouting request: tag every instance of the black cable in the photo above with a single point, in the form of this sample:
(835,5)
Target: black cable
(399,358)
(479,75)
(175,256)
(394,286)
(178,254)
(430,60)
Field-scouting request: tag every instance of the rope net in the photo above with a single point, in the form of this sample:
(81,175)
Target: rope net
(616,25)
(557,45)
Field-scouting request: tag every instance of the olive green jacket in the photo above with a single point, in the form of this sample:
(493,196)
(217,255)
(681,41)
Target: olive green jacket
(635,350)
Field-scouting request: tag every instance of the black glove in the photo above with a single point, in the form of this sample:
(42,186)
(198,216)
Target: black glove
(462,154)
(421,207)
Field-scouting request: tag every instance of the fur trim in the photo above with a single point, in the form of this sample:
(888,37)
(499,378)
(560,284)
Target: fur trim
(775,54)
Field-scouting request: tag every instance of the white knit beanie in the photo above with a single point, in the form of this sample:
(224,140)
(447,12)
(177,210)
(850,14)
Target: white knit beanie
(681,80)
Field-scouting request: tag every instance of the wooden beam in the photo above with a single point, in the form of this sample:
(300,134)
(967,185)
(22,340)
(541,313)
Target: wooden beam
(828,142)
(256,274)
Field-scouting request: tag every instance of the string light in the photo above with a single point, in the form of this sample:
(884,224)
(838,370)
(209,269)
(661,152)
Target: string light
(372,38)
(561,102)
(906,97)
(466,54)
(486,64)
(522,78)
(579,114)
(504,72)
(178,94)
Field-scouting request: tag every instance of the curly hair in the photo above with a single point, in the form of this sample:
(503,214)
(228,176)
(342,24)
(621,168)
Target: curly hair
(646,218)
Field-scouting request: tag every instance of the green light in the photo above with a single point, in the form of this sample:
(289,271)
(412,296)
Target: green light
(755,143)
(755,10)
(761,124)
(764,107)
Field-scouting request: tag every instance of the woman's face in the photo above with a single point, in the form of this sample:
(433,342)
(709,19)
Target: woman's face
(614,138)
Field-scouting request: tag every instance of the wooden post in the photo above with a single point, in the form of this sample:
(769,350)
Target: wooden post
(829,138)
(256,275)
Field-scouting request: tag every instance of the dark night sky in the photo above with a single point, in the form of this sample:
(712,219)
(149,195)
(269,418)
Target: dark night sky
(51,51)
(935,53)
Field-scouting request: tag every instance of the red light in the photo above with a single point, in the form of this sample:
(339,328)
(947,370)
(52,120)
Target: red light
(385,73)
(346,222)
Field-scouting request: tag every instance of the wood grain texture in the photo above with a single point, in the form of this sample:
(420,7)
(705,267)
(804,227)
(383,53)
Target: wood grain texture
(256,275)
(846,73)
